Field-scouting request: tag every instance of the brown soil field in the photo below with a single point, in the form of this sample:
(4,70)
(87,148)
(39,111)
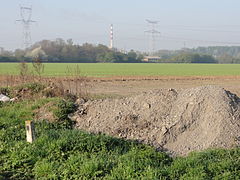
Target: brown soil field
(124,86)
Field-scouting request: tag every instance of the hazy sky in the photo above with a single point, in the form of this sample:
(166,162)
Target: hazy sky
(190,22)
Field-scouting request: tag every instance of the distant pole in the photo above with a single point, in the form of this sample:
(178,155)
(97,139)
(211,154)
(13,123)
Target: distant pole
(30,131)
(111,37)
(26,20)
(153,32)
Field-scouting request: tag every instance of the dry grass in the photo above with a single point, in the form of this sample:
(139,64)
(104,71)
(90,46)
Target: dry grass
(74,84)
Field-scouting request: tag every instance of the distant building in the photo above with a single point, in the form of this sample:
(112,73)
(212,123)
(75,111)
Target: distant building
(152,59)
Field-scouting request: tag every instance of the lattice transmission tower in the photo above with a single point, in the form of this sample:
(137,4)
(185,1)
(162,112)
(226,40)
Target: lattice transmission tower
(26,21)
(153,35)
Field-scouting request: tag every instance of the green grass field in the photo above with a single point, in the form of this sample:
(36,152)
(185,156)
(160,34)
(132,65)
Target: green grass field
(112,69)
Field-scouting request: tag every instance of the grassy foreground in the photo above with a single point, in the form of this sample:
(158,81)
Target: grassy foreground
(114,69)
(64,153)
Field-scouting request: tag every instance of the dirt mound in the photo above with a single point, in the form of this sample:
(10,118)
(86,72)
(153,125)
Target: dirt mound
(179,121)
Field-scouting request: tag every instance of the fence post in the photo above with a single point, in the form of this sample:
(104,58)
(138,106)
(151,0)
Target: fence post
(30,131)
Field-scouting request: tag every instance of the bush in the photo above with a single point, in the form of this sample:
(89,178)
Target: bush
(65,107)
(34,87)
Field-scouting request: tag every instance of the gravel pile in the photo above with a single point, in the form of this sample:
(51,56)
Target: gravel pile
(178,121)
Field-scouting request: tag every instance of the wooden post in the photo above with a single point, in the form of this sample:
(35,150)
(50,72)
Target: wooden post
(30,131)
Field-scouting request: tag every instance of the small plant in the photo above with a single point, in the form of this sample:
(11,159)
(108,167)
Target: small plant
(65,107)
(78,83)
(9,80)
(23,71)
(38,67)
(49,93)
(70,97)
(35,87)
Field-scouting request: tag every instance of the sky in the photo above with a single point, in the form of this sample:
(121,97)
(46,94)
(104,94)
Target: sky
(181,23)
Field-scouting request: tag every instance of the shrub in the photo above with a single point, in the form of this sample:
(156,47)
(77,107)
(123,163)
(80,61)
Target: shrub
(65,107)
(35,87)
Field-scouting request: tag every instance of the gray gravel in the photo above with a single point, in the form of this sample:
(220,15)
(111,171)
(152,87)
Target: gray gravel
(178,121)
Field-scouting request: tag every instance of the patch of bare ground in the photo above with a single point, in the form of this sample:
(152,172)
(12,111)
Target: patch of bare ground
(125,86)
(179,121)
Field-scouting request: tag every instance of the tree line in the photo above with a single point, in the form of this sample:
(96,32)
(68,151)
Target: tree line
(60,50)
(190,58)
(211,54)
(65,51)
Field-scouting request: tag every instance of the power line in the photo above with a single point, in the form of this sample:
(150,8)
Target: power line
(198,40)
(201,30)
(211,28)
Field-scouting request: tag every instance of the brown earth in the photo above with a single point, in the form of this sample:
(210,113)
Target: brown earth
(179,121)
(125,86)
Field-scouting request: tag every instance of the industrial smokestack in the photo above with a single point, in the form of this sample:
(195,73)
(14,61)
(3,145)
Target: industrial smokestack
(111,37)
